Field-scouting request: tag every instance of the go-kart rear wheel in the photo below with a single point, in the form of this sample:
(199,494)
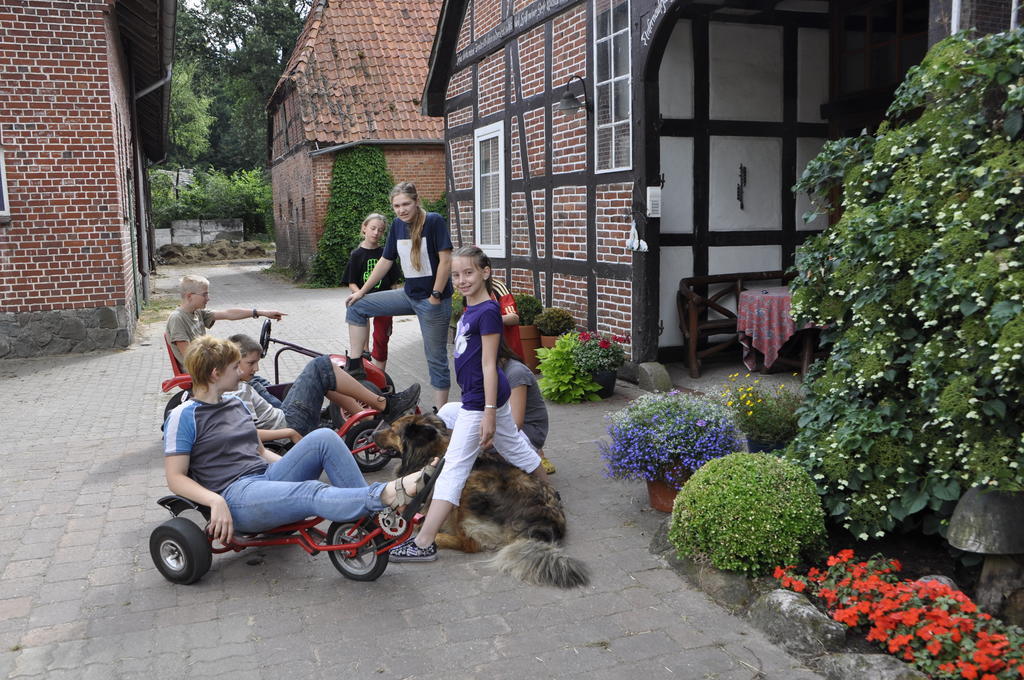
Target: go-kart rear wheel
(367,565)
(180,551)
(369,457)
(182,395)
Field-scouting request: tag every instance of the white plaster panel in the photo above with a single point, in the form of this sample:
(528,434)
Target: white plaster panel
(806,149)
(675,79)
(762,203)
(677,194)
(812,74)
(676,263)
(732,259)
(746,72)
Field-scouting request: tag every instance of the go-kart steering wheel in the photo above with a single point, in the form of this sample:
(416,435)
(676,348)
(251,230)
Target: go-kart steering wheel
(265,337)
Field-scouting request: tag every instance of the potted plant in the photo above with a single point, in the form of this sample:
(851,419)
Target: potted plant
(766,414)
(663,437)
(529,307)
(552,322)
(600,356)
(561,379)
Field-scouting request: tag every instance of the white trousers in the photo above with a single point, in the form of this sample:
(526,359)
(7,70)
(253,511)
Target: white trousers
(464,447)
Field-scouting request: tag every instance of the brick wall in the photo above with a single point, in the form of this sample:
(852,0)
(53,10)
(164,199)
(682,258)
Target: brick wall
(614,307)
(568,141)
(67,253)
(569,223)
(490,85)
(486,15)
(570,292)
(531,61)
(569,46)
(614,219)
(421,165)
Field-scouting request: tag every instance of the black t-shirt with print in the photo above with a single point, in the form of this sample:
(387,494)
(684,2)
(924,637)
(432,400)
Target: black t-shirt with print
(361,263)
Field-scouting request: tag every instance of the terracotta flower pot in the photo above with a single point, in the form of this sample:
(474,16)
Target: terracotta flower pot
(530,339)
(548,341)
(662,494)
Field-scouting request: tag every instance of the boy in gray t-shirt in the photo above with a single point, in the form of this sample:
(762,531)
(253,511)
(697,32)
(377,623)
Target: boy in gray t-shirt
(191,319)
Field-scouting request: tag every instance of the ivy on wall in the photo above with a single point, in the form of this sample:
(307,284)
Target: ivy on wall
(360,184)
(921,286)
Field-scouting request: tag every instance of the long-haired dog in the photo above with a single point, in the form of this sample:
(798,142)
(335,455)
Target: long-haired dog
(501,507)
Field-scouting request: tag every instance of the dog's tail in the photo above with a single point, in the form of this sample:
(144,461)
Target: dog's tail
(541,563)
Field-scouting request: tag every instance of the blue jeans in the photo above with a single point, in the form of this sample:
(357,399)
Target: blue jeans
(289,490)
(305,398)
(433,319)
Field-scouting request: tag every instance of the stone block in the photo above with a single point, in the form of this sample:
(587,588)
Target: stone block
(861,666)
(653,377)
(73,329)
(729,589)
(791,621)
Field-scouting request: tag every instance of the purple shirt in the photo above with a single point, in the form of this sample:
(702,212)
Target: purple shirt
(477,320)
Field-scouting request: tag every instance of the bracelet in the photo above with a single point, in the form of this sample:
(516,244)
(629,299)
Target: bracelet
(254,314)
(490,406)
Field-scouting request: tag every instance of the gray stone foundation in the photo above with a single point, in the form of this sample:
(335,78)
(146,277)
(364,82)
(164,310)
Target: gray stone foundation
(71,331)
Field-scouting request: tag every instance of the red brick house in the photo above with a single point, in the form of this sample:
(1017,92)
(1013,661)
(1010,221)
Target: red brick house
(696,119)
(84,95)
(355,78)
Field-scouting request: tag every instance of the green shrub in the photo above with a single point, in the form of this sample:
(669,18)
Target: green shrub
(561,381)
(528,306)
(921,285)
(554,321)
(360,184)
(748,512)
(458,307)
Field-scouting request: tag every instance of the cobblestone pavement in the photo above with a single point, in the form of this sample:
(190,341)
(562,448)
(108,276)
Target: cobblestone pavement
(80,598)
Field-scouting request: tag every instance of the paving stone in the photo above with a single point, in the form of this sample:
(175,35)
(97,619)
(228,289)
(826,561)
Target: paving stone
(74,550)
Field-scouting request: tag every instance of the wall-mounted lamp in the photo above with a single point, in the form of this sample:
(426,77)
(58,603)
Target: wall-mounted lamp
(569,103)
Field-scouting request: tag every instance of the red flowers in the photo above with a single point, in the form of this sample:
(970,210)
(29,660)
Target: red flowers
(930,625)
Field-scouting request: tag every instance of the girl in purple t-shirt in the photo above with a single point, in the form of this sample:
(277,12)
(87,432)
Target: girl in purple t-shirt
(485,417)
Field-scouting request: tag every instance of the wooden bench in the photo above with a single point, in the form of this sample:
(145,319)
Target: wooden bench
(695,300)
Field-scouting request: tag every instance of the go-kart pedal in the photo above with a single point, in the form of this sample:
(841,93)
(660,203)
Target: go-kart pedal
(394,523)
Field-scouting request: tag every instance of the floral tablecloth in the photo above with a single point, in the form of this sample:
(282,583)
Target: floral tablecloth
(764,323)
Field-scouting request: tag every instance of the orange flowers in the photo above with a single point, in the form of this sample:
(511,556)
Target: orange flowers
(937,629)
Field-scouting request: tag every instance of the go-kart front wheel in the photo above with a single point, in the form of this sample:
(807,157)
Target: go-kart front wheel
(367,565)
(180,551)
(369,457)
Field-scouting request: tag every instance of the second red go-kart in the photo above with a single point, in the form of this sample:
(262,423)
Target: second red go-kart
(356,430)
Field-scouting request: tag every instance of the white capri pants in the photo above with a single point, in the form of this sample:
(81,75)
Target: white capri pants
(464,446)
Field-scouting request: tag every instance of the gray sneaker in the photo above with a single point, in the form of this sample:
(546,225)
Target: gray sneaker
(400,402)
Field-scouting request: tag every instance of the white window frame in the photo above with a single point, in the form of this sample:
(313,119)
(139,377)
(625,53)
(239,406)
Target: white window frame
(617,164)
(486,133)
(5,202)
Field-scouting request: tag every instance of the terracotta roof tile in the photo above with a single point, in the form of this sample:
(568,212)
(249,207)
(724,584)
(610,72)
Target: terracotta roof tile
(358,70)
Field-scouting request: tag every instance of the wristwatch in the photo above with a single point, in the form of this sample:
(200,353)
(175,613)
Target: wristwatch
(435,294)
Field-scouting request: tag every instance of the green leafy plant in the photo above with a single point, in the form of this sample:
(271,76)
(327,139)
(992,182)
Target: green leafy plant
(763,412)
(594,352)
(528,306)
(748,512)
(666,436)
(554,321)
(561,381)
(935,628)
(920,285)
(458,307)
(360,184)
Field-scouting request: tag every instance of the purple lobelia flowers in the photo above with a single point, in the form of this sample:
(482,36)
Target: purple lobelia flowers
(666,436)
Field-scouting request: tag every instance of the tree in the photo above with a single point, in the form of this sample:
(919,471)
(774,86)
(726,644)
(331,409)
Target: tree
(240,49)
(190,117)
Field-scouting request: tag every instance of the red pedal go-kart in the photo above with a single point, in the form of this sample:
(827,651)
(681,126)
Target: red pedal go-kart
(356,430)
(183,552)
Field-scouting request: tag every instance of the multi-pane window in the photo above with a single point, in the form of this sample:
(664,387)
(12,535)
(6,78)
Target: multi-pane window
(489,154)
(879,41)
(611,85)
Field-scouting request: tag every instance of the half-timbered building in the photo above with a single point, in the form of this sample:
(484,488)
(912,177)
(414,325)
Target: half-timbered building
(601,150)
